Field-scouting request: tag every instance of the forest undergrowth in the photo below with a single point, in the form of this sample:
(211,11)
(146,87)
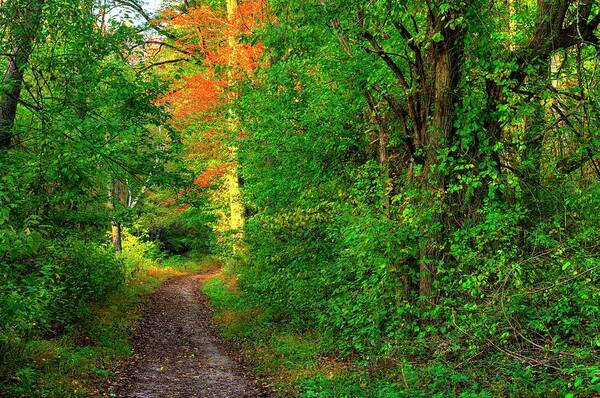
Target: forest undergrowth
(80,346)
(300,362)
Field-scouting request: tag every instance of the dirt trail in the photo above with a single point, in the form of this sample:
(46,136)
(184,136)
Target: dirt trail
(178,353)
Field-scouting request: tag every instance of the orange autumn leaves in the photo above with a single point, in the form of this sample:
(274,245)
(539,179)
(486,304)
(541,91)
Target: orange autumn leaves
(218,57)
(194,98)
(212,173)
(204,32)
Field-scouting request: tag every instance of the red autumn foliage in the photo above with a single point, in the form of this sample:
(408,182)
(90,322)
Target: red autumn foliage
(213,42)
(194,97)
(212,174)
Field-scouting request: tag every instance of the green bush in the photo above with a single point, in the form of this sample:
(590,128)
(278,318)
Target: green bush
(137,254)
(45,288)
(338,239)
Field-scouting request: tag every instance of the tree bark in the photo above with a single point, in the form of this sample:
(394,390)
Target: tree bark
(117,237)
(23,37)
(382,139)
(447,57)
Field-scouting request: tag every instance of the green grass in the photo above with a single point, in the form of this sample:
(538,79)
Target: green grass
(284,360)
(77,363)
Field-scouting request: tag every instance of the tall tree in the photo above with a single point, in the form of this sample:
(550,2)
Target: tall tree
(26,18)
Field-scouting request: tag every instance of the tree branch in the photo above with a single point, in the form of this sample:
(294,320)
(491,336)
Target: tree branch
(170,61)
(387,59)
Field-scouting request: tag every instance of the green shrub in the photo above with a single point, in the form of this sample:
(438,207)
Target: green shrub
(46,289)
(137,254)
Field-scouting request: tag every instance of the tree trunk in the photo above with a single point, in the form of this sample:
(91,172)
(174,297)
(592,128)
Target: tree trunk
(117,237)
(447,58)
(115,192)
(380,121)
(236,207)
(22,43)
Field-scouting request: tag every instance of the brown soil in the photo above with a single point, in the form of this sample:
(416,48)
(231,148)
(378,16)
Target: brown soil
(179,354)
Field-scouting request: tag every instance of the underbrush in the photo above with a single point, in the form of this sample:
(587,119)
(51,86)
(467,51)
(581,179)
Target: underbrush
(303,362)
(62,332)
(292,363)
(282,358)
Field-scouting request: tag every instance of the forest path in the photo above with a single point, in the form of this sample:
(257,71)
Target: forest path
(177,352)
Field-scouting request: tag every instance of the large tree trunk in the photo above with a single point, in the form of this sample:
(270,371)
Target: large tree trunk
(23,36)
(447,56)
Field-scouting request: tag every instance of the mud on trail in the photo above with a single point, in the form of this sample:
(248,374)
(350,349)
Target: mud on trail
(177,352)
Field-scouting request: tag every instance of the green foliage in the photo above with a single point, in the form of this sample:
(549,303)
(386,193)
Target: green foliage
(47,292)
(73,363)
(420,182)
(181,228)
(339,238)
(47,289)
(186,232)
(86,117)
(137,255)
